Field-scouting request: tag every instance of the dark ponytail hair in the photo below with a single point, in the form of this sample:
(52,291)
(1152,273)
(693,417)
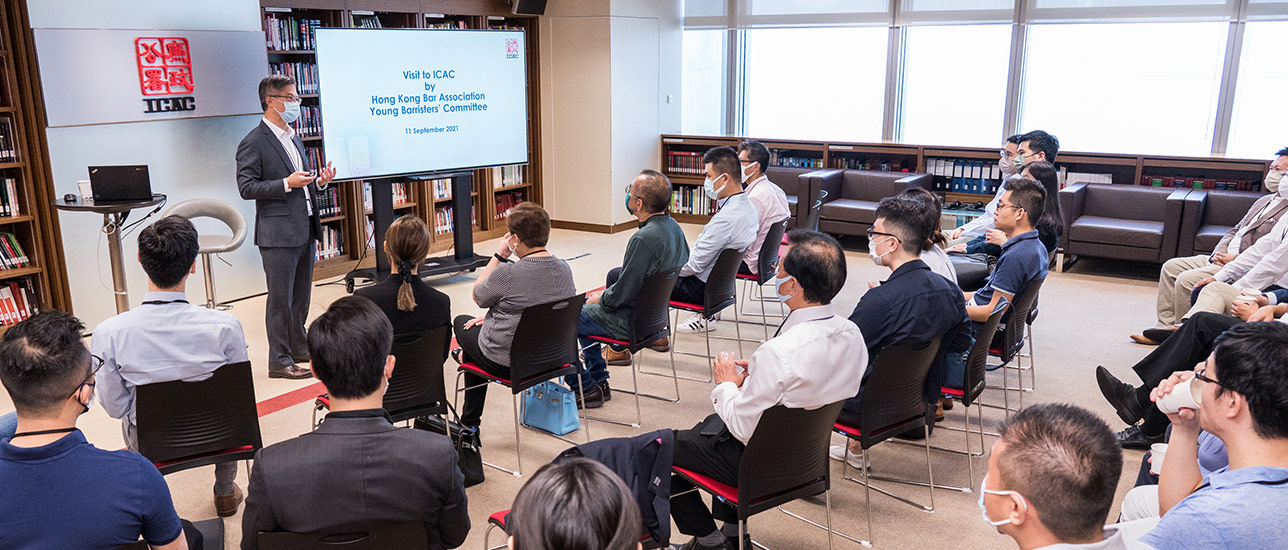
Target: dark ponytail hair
(1045,174)
(407,241)
(575,504)
(932,200)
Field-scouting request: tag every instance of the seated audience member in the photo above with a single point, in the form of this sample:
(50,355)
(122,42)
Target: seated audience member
(1180,275)
(769,199)
(1051,481)
(167,339)
(977,227)
(60,491)
(816,358)
(1034,146)
(913,306)
(657,246)
(505,287)
(734,225)
(1262,267)
(1142,501)
(932,251)
(1049,226)
(1243,385)
(574,504)
(357,471)
(411,305)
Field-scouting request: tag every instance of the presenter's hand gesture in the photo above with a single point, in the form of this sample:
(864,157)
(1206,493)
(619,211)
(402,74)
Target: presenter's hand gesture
(299,179)
(326,174)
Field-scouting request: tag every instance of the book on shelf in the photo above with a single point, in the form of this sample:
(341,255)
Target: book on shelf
(857,163)
(304,74)
(331,244)
(443,219)
(366,21)
(687,199)
(310,122)
(286,32)
(399,189)
(688,163)
(442,188)
(1067,178)
(458,24)
(315,156)
(507,176)
(18,300)
(8,146)
(12,256)
(9,198)
(327,202)
(371,233)
(506,201)
(1182,182)
(963,176)
(776,158)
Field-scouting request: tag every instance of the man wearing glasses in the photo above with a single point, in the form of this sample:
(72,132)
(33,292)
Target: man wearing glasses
(1023,258)
(1242,389)
(167,339)
(273,171)
(976,228)
(61,491)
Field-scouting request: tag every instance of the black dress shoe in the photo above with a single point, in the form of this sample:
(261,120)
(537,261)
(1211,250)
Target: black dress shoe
(732,542)
(302,358)
(1119,394)
(594,398)
(293,372)
(1159,335)
(1134,438)
(693,544)
(607,390)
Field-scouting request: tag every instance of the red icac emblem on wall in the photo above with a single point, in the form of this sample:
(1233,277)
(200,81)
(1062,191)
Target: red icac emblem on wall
(165,65)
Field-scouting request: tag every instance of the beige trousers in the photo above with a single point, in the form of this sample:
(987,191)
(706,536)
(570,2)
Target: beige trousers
(1176,282)
(1215,297)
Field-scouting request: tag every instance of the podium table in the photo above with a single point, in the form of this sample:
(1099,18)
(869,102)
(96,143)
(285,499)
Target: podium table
(114,213)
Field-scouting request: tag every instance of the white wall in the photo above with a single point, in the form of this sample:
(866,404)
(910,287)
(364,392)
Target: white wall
(187,158)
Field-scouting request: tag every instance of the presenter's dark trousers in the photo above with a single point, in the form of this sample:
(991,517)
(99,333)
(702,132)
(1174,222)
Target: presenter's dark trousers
(288,271)
(1190,345)
(717,456)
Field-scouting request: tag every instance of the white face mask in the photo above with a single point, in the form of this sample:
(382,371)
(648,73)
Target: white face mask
(708,185)
(1272,180)
(872,251)
(984,511)
(1005,164)
(747,171)
(778,288)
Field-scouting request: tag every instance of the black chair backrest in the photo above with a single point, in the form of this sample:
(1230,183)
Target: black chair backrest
(786,458)
(977,361)
(650,314)
(545,340)
(1013,336)
(180,420)
(894,395)
(416,387)
(767,261)
(402,535)
(722,282)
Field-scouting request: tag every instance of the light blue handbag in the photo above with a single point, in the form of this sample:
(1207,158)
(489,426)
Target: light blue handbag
(551,407)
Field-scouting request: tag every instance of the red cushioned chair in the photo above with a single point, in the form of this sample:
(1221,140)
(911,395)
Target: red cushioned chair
(1010,342)
(766,271)
(184,425)
(403,535)
(721,292)
(649,322)
(973,387)
(416,387)
(786,459)
(544,348)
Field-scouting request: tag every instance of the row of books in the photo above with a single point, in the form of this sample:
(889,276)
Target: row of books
(310,122)
(9,197)
(443,219)
(285,32)
(12,255)
(1069,178)
(315,155)
(856,163)
(691,200)
(688,163)
(328,202)
(366,21)
(332,243)
(458,24)
(17,301)
(8,143)
(963,176)
(506,201)
(506,176)
(305,75)
(399,189)
(1199,183)
(777,159)
(442,188)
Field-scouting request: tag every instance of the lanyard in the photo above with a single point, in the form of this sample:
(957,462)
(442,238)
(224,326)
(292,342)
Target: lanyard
(163,302)
(789,314)
(46,432)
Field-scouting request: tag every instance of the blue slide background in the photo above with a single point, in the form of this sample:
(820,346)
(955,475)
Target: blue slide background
(356,64)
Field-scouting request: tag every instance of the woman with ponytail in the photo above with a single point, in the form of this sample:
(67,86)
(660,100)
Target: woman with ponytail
(411,305)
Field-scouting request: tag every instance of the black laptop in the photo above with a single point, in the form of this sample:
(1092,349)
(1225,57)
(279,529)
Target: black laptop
(120,183)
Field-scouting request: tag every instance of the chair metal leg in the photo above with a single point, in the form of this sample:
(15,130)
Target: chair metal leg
(488,535)
(639,417)
(868,477)
(737,327)
(764,319)
(674,343)
(867,492)
(827,496)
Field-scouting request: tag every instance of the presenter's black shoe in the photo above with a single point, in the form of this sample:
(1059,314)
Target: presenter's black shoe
(693,544)
(1119,394)
(293,372)
(607,390)
(1134,438)
(302,358)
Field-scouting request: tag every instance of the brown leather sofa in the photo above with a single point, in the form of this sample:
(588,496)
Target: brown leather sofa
(796,188)
(1208,215)
(1122,222)
(849,205)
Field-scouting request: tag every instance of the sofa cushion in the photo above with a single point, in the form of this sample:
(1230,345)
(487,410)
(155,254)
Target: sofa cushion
(850,210)
(1227,207)
(787,178)
(1206,239)
(1117,231)
(868,185)
(1126,202)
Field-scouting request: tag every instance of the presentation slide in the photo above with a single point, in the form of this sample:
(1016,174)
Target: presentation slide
(408,101)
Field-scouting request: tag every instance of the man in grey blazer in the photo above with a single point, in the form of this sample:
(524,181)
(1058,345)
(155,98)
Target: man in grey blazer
(357,471)
(273,171)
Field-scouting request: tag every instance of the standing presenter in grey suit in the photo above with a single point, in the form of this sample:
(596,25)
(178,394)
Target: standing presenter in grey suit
(273,171)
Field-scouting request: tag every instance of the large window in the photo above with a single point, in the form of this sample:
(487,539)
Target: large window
(815,83)
(1257,128)
(1125,88)
(702,95)
(954,84)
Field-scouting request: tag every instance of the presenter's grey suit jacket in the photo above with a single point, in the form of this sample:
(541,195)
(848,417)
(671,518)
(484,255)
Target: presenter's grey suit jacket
(353,473)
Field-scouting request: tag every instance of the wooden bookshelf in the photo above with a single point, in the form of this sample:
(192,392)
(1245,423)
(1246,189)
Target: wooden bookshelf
(1122,169)
(422,14)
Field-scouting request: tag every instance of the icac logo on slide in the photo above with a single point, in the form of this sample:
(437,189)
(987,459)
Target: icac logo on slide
(165,69)
(512,48)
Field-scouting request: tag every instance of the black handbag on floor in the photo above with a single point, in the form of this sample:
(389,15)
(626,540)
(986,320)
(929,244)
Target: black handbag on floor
(469,456)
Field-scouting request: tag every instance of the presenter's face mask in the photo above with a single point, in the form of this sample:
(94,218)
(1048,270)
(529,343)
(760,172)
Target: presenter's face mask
(713,192)
(290,111)
(1272,180)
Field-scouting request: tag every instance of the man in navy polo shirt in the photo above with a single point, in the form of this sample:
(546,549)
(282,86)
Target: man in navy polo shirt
(60,491)
(1024,259)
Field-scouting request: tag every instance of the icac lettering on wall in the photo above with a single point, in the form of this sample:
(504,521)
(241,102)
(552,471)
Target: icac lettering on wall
(165,73)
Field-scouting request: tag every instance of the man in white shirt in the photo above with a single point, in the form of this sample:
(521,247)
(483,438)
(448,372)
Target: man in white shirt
(1179,276)
(1249,278)
(979,226)
(817,358)
(769,199)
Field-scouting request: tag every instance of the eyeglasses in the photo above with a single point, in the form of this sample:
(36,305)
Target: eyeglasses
(291,98)
(746,161)
(872,232)
(1199,375)
(96,363)
(1007,154)
(1005,206)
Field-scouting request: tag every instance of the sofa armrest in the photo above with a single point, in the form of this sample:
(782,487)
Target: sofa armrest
(1072,199)
(916,180)
(824,186)
(1172,223)
(1192,210)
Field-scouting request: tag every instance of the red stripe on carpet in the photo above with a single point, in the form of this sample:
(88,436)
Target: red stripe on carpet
(290,399)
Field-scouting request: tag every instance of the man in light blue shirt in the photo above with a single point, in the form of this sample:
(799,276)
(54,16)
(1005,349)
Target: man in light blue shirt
(734,225)
(167,339)
(1241,391)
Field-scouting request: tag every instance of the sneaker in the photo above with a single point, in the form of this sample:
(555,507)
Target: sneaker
(837,452)
(695,324)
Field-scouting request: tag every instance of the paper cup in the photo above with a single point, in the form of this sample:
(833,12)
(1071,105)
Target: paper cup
(85,191)
(1156,453)
(1184,395)
(1249,295)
